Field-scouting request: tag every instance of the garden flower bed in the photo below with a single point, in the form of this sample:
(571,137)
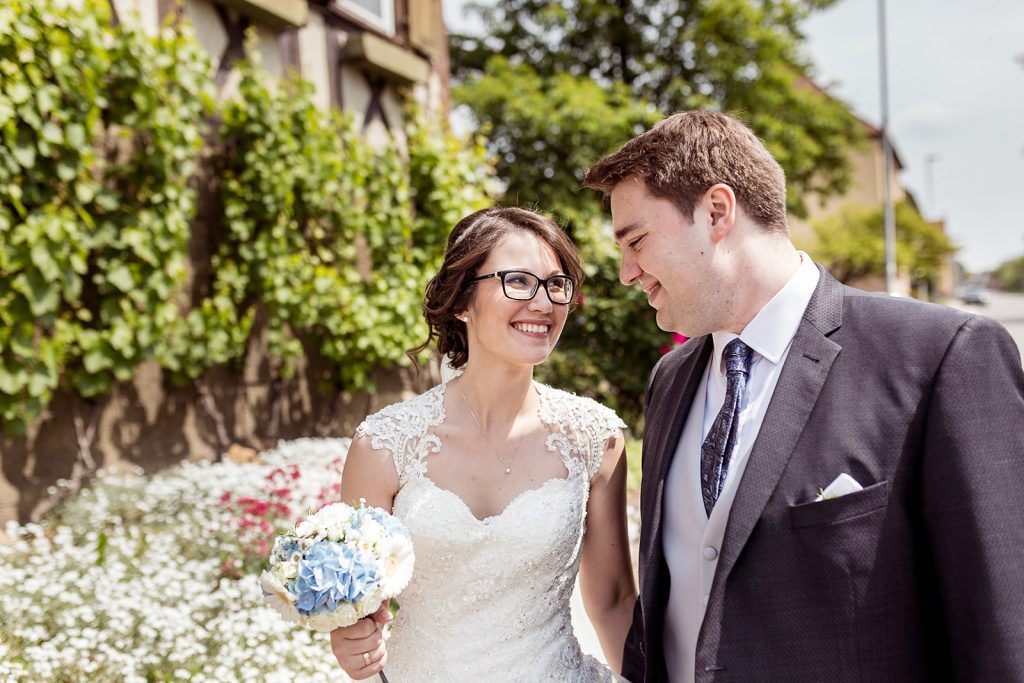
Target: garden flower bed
(154,578)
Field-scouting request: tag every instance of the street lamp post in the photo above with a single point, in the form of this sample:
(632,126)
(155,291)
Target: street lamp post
(929,181)
(890,211)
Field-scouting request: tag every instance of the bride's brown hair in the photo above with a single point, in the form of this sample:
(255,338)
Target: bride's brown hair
(469,244)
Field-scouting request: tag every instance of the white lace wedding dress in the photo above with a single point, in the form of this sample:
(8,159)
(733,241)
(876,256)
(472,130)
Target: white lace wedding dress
(489,599)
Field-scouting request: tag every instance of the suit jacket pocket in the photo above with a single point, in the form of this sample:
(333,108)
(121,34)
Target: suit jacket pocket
(834,510)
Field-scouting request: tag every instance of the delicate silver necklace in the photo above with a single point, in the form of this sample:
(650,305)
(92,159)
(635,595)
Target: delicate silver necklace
(494,451)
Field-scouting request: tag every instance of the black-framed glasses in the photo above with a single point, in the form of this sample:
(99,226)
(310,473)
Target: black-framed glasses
(522,285)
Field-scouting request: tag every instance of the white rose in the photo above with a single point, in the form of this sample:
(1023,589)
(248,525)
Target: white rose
(372,533)
(370,603)
(324,622)
(289,570)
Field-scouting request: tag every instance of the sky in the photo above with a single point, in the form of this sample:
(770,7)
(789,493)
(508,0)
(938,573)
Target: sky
(956,105)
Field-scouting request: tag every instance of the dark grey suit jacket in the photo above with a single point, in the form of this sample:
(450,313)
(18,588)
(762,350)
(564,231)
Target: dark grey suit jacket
(918,577)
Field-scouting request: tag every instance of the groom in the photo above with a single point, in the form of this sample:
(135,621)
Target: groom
(833,481)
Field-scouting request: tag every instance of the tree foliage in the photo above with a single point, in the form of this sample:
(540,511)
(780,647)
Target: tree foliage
(543,129)
(851,243)
(331,242)
(735,55)
(1009,275)
(555,85)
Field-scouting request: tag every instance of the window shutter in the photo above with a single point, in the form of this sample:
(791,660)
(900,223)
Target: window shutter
(276,13)
(425,26)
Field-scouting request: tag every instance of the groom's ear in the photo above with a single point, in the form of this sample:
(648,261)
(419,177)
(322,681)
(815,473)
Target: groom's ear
(720,203)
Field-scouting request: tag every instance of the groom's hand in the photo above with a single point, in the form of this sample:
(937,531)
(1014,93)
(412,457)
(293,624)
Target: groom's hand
(360,648)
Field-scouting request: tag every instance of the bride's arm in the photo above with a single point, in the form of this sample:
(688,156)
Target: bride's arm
(606,572)
(371,475)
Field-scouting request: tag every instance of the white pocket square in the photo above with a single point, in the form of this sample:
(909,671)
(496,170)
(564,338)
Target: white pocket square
(840,486)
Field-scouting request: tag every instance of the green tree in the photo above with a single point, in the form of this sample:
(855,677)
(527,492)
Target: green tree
(1009,275)
(543,129)
(851,243)
(735,55)
(557,84)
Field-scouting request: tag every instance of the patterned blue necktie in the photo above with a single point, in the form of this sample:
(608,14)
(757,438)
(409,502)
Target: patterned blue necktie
(717,448)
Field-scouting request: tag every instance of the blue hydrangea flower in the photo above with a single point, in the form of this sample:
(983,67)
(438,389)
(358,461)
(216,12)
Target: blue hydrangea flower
(333,573)
(284,547)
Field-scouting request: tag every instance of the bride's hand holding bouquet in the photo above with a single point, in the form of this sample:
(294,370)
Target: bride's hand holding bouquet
(339,565)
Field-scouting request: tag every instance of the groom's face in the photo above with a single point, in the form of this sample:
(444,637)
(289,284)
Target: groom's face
(667,255)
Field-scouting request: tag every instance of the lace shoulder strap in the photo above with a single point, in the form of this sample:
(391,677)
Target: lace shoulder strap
(404,428)
(584,425)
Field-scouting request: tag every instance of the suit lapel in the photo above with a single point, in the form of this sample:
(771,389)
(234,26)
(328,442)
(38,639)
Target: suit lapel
(803,377)
(670,405)
(674,405)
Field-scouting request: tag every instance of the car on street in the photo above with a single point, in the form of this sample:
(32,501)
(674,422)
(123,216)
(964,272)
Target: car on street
(976,295)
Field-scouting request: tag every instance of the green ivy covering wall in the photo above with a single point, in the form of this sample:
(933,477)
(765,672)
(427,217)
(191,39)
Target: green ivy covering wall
(327,241)
(100,132)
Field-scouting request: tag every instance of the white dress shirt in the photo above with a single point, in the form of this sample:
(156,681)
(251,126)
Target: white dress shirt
(690,540)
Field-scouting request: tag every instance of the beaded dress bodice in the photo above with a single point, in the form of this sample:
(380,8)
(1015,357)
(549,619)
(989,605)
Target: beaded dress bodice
(489,598)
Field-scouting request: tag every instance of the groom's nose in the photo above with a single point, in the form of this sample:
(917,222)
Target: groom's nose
(629,271)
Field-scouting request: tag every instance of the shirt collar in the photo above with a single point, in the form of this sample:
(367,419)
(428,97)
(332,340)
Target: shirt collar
(773,328)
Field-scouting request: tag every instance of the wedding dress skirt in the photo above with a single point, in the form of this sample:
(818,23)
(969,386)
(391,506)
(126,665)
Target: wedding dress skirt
(490,598)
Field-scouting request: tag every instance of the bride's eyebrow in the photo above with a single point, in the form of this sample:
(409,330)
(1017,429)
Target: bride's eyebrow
(551,273)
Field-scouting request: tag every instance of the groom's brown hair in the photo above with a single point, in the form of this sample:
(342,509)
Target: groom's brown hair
(683,155)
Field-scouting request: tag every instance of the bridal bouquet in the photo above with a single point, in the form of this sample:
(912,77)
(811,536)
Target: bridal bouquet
(338,566)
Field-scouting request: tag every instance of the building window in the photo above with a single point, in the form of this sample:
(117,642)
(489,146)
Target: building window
(377,13)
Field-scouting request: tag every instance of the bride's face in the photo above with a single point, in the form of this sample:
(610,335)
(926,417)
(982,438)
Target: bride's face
(508,330)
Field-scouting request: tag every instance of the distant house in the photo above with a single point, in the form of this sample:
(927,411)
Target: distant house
(867,188)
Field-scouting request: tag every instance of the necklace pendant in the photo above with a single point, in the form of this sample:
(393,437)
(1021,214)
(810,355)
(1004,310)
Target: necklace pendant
(508,470)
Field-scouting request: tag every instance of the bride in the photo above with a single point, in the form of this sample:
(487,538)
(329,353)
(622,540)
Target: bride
(507,486)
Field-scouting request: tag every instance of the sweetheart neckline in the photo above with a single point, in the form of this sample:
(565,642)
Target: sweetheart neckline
(487,520)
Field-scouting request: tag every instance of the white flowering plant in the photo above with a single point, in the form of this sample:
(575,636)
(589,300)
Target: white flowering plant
(338,566)
(152,577)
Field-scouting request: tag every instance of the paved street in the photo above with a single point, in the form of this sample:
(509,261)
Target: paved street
(1007,309)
